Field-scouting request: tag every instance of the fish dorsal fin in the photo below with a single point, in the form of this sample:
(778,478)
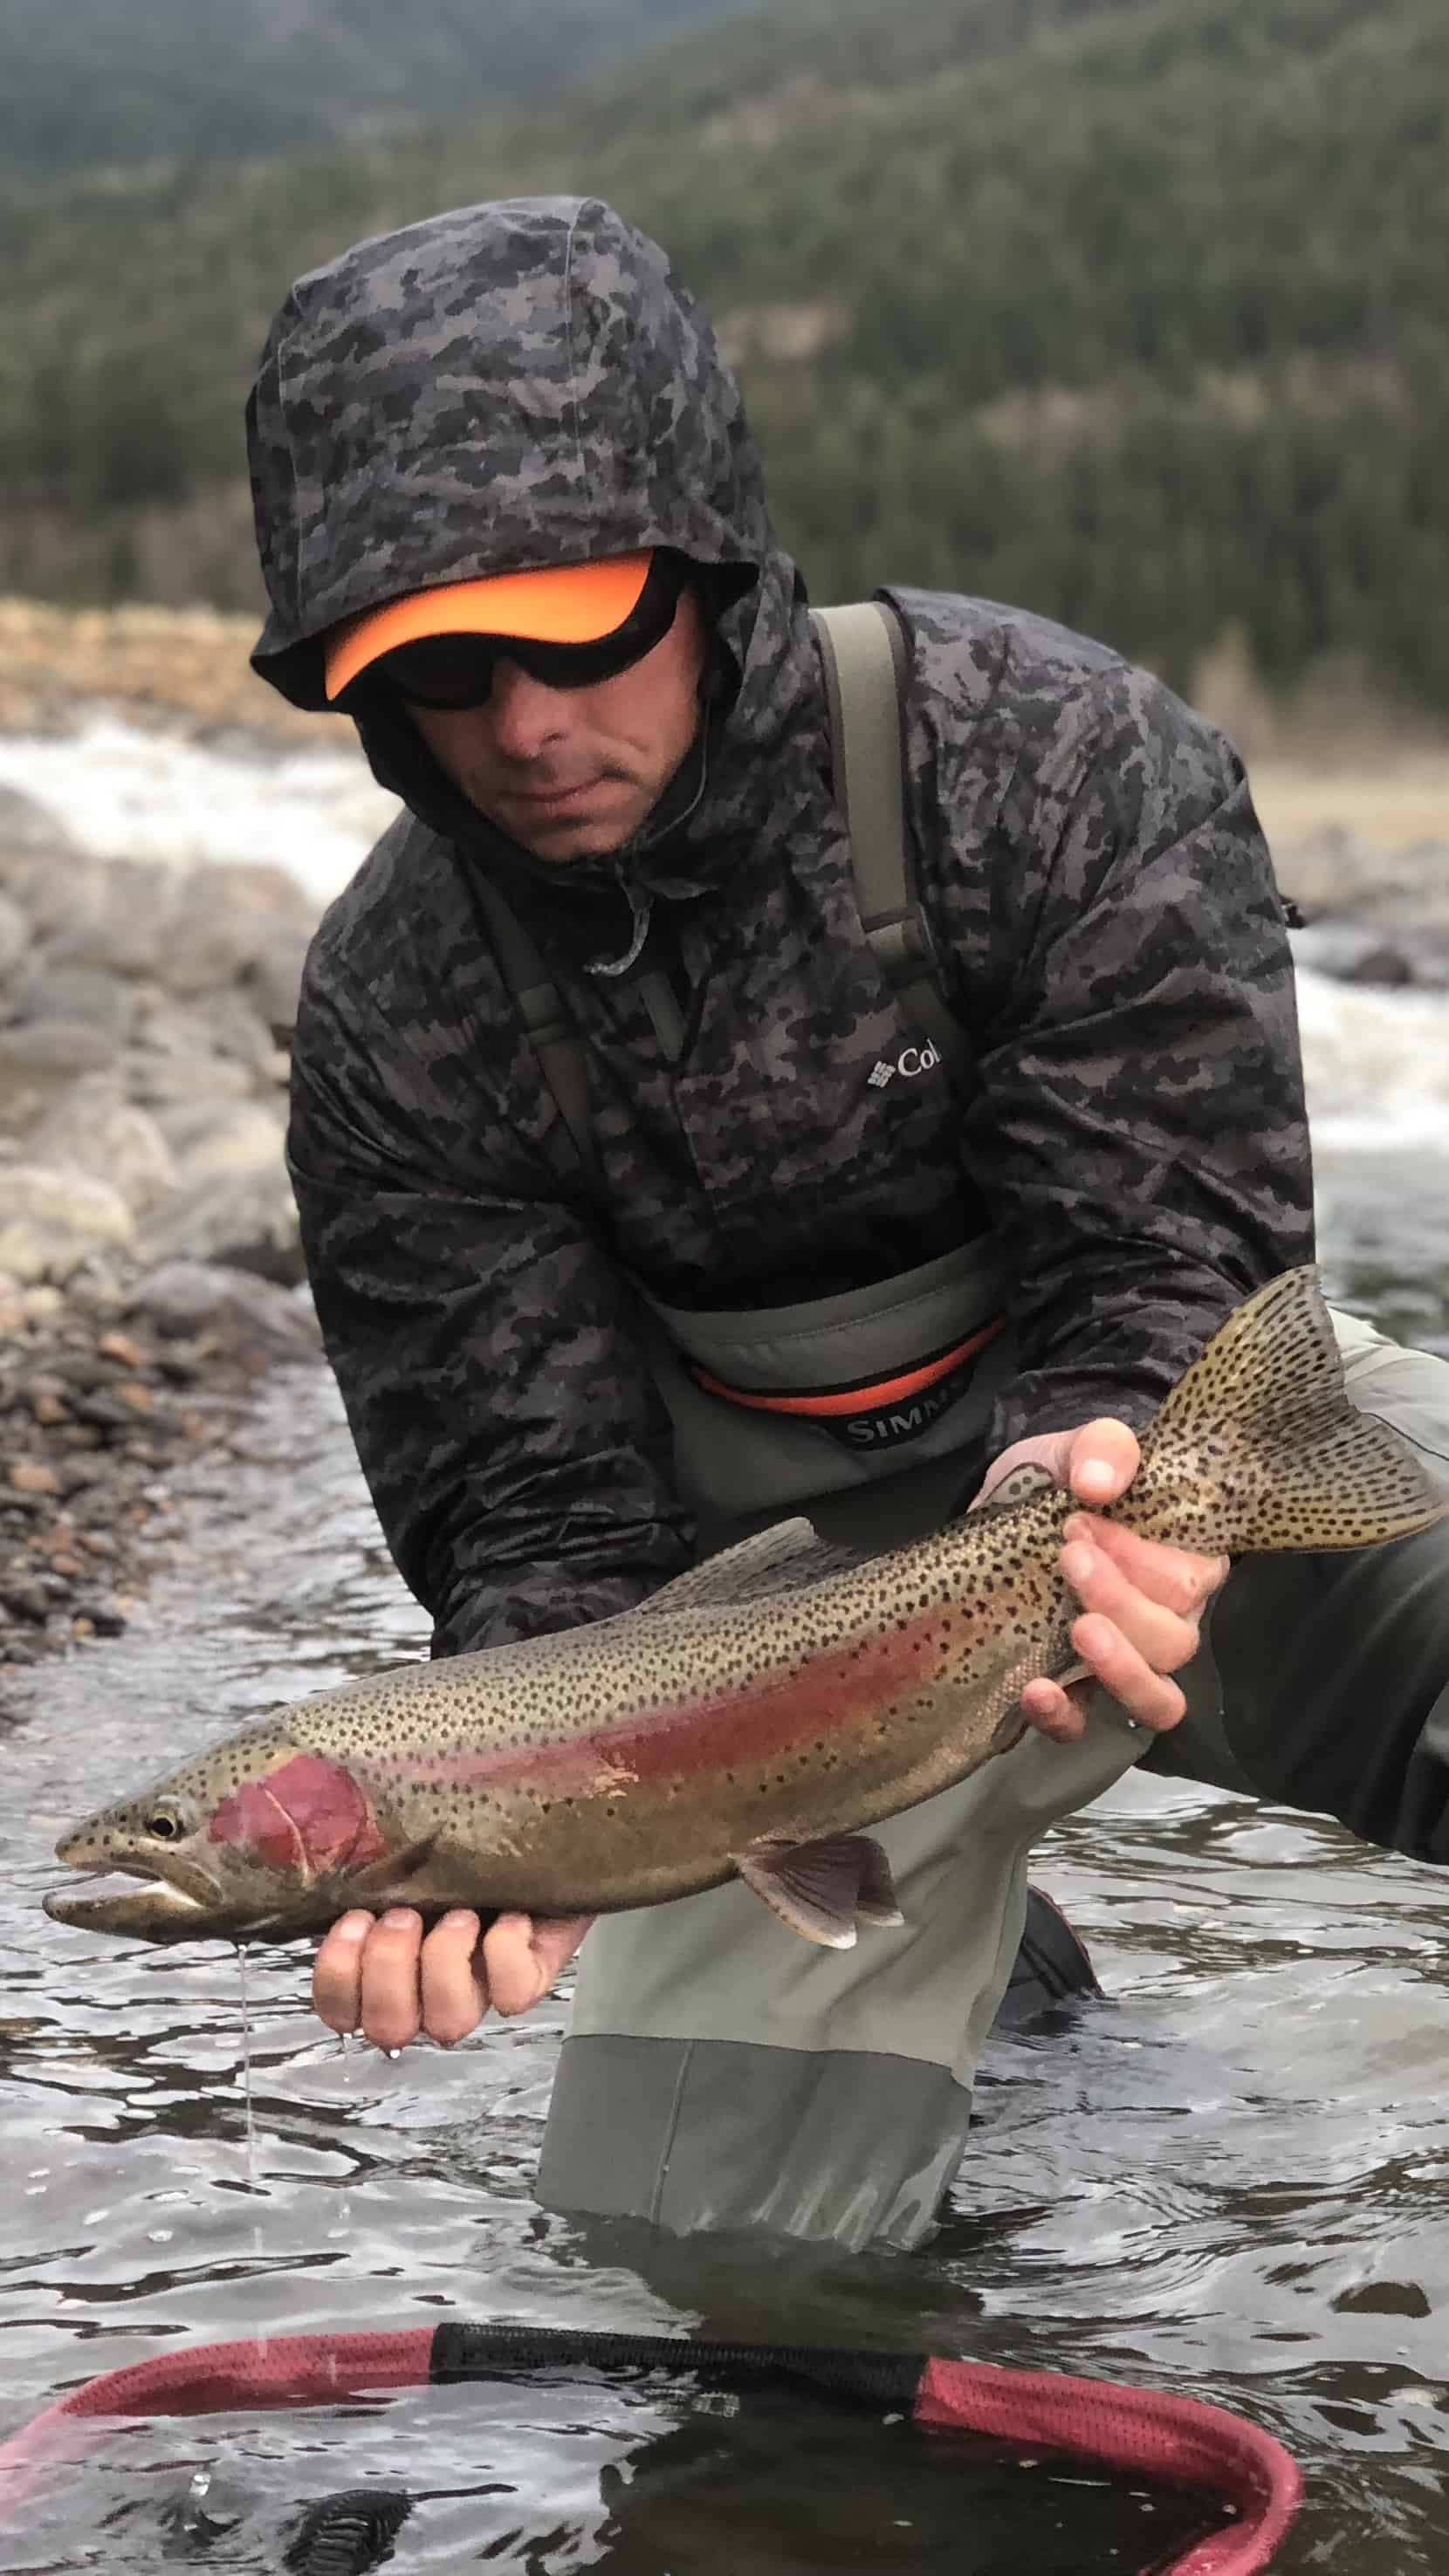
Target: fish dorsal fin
(823,1889)
(787,1557)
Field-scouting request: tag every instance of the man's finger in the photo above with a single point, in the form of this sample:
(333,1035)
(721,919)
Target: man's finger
(1054,1711)
(391,1997)
(1151,1699)
(453,1985)
(1102,1460)
(1177,1577)
(337,1973)
(514,1977)
(556,1937)
(1165,1638)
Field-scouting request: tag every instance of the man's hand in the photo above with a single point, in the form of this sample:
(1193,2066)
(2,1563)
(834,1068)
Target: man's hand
(1141,1600)
(386,1979)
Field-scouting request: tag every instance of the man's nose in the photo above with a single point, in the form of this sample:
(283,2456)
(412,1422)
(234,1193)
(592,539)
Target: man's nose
(524,713)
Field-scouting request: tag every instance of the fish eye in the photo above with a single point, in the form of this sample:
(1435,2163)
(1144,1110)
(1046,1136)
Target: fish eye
(166,1824)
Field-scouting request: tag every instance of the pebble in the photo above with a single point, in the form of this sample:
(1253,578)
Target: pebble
(32,1476)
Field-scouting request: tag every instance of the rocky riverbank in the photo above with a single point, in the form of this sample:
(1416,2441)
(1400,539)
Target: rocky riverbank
(150,1268)
(178,671)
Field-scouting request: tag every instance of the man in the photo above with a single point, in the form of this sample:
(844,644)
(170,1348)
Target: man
(512,522)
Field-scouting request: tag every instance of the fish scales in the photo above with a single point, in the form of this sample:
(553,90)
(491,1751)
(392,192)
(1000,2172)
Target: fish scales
(762,1710)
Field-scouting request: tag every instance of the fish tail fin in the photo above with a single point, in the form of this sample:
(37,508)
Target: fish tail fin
(1259,1448)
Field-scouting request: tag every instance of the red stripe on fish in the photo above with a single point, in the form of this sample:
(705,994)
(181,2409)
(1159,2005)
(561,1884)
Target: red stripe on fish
(734,1728)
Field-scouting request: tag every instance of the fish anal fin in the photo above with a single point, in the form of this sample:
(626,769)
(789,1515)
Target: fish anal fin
(823,1889)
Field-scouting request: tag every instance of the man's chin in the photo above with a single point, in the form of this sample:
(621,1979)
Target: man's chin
(560,844)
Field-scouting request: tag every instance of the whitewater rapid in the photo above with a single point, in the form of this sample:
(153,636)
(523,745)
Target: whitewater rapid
(1376,1059)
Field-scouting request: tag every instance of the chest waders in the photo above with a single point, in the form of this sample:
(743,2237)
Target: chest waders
(720,2072)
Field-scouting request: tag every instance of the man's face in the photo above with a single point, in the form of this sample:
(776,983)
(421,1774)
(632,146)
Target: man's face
(572,773)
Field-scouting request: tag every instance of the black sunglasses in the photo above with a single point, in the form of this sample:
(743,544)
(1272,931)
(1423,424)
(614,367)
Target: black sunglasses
(456,671)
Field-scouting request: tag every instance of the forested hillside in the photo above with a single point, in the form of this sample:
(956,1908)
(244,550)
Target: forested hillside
(1133,310)
(111,82)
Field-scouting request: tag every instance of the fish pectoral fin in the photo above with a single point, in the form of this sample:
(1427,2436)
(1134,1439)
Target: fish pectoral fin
(392,1869)
(822,1890)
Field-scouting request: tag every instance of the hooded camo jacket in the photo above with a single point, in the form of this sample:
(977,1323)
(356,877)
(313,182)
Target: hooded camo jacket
(527,383)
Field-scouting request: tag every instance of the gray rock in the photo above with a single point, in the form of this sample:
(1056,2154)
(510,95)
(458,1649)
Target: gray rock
(236,1136)
(81,994)
(1334,873)
(184,1298)
(93,1128)
(14,936)
(121,920)
(58,890)
(1355,950)
(246,1219)
(39,1062)
(24,1599)
(26,824)
(161,1082)
(274,981)
(65,1047)
(221,1024)
(223,919)
(51,1221)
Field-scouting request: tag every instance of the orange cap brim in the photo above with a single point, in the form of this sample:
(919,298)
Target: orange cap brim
(564,604)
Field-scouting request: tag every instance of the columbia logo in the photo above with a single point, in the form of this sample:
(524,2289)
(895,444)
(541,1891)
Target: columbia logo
(912,1062)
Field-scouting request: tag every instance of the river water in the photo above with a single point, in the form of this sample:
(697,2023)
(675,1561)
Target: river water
(1231,2179)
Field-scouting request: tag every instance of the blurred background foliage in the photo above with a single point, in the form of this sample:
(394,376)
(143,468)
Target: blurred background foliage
(1132,311)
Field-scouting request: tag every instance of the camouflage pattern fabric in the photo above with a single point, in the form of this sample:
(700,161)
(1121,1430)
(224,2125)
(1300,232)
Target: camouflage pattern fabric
(524,384)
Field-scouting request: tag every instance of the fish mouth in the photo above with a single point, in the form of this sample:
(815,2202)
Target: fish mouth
(158,1911)
(179,1907)
(184,1905)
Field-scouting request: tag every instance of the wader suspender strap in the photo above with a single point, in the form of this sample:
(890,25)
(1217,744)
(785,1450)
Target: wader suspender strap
(550,1033)
(863,653)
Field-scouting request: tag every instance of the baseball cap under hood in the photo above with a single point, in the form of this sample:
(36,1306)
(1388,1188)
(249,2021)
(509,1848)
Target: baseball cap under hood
(507,386)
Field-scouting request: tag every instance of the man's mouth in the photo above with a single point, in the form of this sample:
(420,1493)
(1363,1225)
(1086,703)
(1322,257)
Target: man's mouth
(539,799)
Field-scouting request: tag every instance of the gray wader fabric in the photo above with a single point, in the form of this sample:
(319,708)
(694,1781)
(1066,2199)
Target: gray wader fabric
(722,2074)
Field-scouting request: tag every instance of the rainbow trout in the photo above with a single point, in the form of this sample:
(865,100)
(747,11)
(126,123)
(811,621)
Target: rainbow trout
(753,1716)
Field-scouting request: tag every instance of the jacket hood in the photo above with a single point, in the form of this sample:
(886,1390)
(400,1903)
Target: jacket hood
(504,387)
(501,388)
